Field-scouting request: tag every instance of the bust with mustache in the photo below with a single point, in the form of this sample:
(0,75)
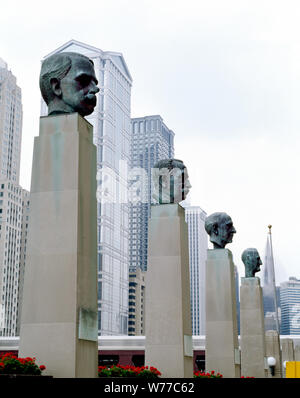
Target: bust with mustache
(68,84)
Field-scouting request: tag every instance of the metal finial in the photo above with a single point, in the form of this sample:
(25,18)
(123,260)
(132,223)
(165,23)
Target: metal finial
(269,226)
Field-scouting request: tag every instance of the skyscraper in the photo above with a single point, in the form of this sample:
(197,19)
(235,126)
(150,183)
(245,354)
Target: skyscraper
(136,317)
(269,288)
(10,125)
(290,306)
(195,218)
(237,293)
(13,202)
(112,134)
(151,141)
(25,218)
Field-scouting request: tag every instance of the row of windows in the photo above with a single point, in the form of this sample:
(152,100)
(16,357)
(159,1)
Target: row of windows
(144,126)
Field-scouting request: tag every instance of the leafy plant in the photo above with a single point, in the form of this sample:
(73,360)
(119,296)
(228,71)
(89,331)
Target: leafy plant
(11,364)
(210,375)
(128,371)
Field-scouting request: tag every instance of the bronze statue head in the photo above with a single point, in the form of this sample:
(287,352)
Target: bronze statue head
(252,262)
(220,229)
(170,181)
(68,84)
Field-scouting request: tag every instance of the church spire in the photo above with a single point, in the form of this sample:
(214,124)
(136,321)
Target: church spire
(269,288)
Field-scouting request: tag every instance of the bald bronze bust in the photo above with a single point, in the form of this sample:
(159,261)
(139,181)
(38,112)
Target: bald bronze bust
(68,84)
(252,262)
(220,229)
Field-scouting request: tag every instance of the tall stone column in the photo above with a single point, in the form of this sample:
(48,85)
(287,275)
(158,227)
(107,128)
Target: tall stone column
(253,351)
(297,353)
(287,353)
(59,314)
(273,350)
(221,349)
(168,321)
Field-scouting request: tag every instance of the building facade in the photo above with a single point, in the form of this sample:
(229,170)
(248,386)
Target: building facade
(237,295)
(136,303)
(195,218)
(10,125)
(25,218)
(112,134)
(13,230)
(151,141)
(12,204)
(290,306)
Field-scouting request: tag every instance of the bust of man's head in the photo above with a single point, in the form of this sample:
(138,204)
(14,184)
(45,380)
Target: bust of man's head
(252,262)
(68,84)
(220,229)
(170,181)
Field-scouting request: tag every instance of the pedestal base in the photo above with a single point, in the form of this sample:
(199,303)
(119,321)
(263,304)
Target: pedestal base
(59,311)
(221,347)
(253,352)
(168,312)
(287,353)
(273,350)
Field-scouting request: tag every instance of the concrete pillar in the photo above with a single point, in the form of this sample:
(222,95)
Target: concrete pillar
(168,322)
(222,348)
(253,351)
(297,352)
(59,314)
(287,353)
(273,350)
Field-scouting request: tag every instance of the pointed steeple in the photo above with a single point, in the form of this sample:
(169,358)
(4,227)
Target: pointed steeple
(269,287)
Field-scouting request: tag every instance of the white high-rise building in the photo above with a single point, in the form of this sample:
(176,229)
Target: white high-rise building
(151,141)
(13,204)
(10,125)
(290,306)
(112,134)
(13,231)
(25,218)
(195,218)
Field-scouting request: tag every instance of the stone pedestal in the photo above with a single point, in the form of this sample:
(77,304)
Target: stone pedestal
(297,353)
(253,351)
(222,349)
(273,350)
(168,311)
(59,313)
(287,353)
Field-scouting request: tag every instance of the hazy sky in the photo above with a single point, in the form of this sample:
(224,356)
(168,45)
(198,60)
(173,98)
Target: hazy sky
(225,77)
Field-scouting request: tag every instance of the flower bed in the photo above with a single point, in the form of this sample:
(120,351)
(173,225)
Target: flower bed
(210,375)
(11,364)
(128,371)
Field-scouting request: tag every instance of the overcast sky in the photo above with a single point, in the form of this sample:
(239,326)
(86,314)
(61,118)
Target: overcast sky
(223,74)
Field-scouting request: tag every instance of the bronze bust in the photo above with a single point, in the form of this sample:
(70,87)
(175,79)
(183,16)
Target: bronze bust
(252,262)
(170,181)
(220,229)
(68,84)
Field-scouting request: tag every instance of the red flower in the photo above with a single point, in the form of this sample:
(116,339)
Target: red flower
(42,367)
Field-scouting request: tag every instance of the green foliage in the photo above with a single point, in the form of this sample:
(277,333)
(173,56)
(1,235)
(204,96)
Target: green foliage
(11,364)
(128,371)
